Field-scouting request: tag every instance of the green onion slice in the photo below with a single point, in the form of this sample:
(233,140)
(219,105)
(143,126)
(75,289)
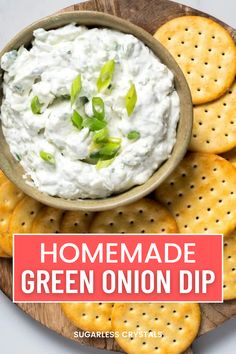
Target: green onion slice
(106,75)
(77,120)
(101,136)
(84,100)
(114,140)
(46,156)
(75,89)
(103,163)
(18,157)
(98,108)
(35,105)
(109,149)
(94,124)
(133,135)
(131,99)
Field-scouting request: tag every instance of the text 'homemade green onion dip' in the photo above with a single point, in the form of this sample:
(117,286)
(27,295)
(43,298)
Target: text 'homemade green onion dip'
(88,112)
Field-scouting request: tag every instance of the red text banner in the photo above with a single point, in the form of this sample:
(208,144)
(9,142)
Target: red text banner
(117,268)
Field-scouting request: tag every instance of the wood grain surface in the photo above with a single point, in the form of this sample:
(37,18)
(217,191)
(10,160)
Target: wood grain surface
(149,14)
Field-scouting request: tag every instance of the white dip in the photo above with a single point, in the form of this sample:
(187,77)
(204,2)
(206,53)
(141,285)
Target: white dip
(47,71)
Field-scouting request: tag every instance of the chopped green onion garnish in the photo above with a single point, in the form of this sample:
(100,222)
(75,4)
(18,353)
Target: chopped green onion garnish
(131,99)
(98,108)
(106,75)
(101,136)
(84,100)
(18,157)
(35,105)
(46,156)
(133,135)
(75,89)
(109,149)
(94,124)
(77,120)
(103,163)
(115,140)
(95,155)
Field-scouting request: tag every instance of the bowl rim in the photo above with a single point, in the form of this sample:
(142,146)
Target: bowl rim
(97,19)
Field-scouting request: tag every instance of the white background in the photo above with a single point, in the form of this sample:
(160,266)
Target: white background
(19,334)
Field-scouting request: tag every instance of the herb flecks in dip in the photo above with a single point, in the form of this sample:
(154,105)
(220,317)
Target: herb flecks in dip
(88,112)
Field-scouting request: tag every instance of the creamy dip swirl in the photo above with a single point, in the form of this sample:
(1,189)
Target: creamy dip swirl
(47,71)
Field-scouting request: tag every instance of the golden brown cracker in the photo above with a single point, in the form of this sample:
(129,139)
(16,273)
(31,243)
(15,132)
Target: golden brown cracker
(22,219)
(74,222)
(143,216)
(3,254)
(229,286)
(201,194)
(10,196)
(47,221)
(89,316)
(169,327)
(206,53)
(214,125)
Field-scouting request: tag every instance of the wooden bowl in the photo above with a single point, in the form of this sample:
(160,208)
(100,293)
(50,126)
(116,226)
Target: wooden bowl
(13,169)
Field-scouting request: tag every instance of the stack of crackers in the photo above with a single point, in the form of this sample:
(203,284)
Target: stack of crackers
(199,196)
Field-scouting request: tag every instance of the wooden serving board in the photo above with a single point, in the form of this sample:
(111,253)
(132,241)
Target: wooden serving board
(149,14)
